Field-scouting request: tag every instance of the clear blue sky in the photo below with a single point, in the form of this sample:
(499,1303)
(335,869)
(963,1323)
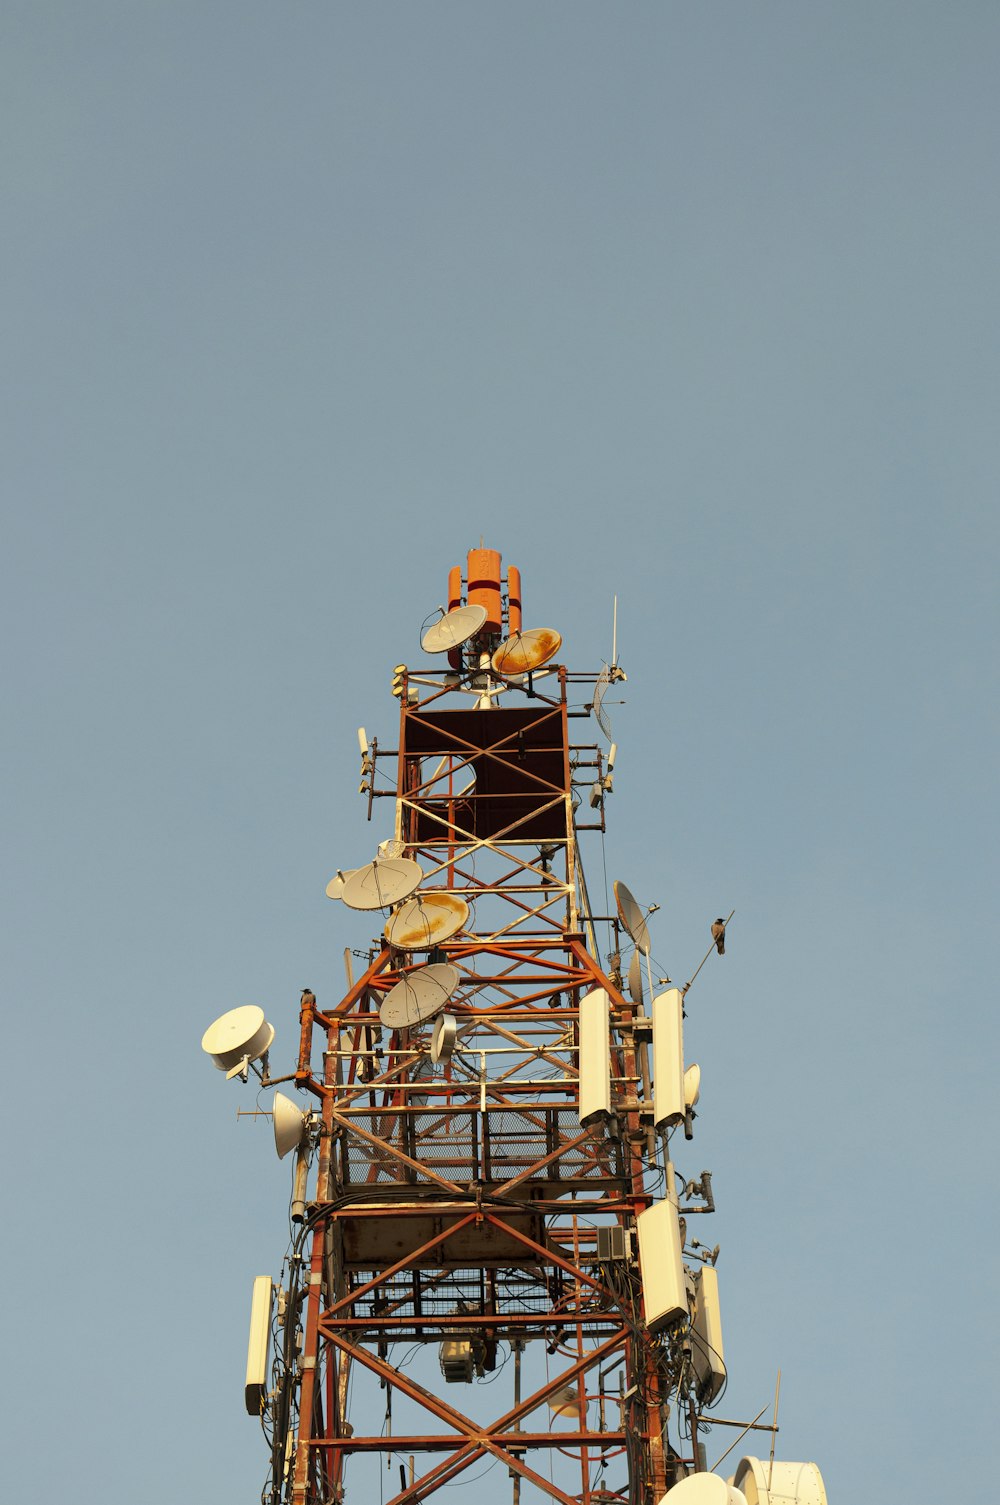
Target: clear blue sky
(693,303)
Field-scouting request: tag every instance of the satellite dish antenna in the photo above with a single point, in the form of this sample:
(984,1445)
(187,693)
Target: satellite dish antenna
(443,1037)
(335,887)
(607,677)
(635,977)
(382,883)
(524,651)
(391,848)
(418,996)
(692,1085)
(453,629)
(566,1402)
(289,1124)
(600,690)
(237,1038)
(426,921)
(632,918)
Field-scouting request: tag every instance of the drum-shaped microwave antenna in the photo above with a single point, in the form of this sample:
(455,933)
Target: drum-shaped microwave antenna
(453,629)
(779,1483)
(425,921)
(524,651)
(418,996)
(443,1037)
(632,917)
(566,1402)
(289,1124)
(237,1038)
(692,1085)
(703,1489)
(381,883)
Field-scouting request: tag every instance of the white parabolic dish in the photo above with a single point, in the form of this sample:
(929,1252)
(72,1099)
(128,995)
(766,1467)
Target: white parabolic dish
(632,917)
(453,629)
(335,887)
(524,651)
(288,1121)
(391,848)
(381,883)
(418,996)
(425,921)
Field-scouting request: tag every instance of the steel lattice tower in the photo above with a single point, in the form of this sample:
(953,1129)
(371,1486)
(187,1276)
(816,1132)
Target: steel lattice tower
(463,1206)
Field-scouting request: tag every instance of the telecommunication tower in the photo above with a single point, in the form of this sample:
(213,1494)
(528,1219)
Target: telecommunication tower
(493,1261)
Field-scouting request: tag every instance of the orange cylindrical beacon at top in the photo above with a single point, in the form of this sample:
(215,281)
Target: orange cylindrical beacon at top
(454,587)
(513,600)
(484,586)
(455,599)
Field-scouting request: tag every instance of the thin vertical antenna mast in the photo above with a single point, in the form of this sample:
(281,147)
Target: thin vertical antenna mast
(774,1431)
(614,635)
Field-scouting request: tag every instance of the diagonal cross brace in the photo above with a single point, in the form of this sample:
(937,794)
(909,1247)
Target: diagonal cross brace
(478,1438)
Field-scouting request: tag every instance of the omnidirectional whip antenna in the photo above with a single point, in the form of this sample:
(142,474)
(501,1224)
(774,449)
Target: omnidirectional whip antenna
(774,1431)
(748,1428)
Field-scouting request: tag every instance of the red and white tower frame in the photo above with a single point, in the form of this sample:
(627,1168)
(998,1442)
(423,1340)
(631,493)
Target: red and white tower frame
(474,1218)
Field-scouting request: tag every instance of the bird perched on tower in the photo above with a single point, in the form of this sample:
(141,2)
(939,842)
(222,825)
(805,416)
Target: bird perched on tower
(719,935)
(308,998)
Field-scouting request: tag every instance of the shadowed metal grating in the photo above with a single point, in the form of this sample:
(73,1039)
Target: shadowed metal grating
(467,1146)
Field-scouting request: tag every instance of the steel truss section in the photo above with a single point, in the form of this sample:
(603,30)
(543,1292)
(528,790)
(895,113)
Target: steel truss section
(460,1201)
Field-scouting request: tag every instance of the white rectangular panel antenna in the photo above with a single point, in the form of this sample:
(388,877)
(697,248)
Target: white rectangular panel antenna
(595,1057)
(260,1333)
(706,1336)
(668,1058)
(664,1292)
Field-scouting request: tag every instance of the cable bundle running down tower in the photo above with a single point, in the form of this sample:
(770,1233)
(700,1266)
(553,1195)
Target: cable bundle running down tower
(491,1269)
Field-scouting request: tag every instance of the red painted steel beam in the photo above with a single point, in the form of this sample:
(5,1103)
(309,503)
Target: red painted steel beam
(424,1443)
(402,1264)
(479,1439)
